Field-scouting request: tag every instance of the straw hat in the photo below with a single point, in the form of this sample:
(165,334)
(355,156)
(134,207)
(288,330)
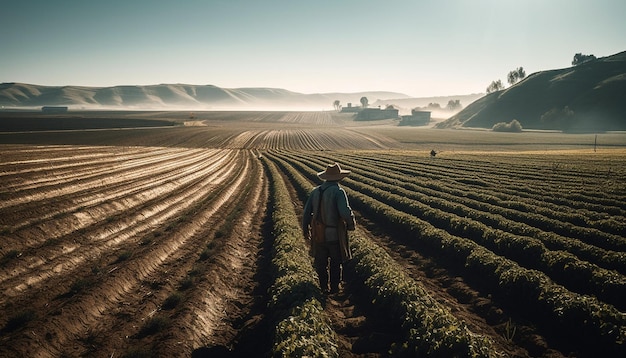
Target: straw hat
(333,172)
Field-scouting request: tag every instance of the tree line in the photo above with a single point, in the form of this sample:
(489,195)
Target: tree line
(519,74)
(453,104)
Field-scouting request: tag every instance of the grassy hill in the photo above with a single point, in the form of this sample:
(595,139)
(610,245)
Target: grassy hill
(172,97)
(587,97)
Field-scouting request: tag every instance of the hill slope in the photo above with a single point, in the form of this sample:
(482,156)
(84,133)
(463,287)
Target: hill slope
(587,97)
(171,95)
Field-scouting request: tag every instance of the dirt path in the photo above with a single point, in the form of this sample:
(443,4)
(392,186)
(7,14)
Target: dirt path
(361,331)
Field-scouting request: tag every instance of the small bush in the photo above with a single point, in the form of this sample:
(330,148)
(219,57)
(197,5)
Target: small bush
(513,126)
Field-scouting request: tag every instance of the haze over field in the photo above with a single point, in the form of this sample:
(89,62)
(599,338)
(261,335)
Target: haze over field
(421,49)
(199,97)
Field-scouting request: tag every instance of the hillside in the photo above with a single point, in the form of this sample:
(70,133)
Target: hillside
(587,97)
(181,96)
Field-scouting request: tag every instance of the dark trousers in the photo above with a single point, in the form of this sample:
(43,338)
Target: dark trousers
(327,262)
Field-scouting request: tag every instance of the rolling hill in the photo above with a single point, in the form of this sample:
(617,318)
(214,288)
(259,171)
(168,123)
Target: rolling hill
(173,96)
(587,97)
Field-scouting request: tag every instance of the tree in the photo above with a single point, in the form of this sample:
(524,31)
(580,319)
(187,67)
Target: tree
(454,104)
(579,59)
(516,75)
(364,102)
(337,104)
(495,86)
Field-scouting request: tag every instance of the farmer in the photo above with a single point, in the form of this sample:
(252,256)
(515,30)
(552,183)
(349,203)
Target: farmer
(327,217)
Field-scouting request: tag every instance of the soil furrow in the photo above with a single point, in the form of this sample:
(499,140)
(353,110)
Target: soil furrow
(476,309)
(74,214)
(51,174)
(109,235)
(89,181)
(224,293)
(127,183)
(86,309)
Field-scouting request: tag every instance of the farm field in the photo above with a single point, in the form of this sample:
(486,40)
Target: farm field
(185,241)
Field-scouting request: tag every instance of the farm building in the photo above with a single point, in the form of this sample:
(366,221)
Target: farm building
(371,114)
(417,118)
(350,109)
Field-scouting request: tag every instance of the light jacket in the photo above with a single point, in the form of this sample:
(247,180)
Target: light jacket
(335,207)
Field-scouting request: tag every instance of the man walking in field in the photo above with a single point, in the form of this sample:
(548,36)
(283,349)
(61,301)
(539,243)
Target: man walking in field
(326,220)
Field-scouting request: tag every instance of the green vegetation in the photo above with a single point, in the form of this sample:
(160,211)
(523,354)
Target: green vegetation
(495,86)
(579,59)
(516,231)
(516,75)
(428,327)
(513,126)
(364,102)
(593,89)
(302,329)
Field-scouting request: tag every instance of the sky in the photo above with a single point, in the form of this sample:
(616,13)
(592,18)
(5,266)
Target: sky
(420,48)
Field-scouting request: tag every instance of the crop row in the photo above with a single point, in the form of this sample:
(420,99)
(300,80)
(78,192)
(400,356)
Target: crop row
(519,222)
(428,327)
(578,275)
(543,171)
(499,179)
(301,327)
(582,318)
(535,210)
(529,219)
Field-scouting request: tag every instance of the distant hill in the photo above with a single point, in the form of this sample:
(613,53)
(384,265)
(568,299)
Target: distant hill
(587,97)
(173,96)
